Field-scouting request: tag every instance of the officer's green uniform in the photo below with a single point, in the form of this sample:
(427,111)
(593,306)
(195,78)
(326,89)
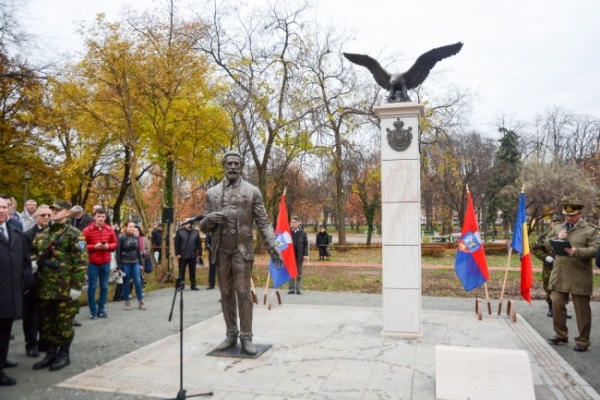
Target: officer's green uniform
(573,275)
(65,270)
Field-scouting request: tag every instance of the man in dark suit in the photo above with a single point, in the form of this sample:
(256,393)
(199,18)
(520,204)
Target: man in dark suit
(231,209)
(15,273)
(11,221)
(31,303)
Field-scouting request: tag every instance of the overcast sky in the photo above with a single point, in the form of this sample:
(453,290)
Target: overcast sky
(519,56)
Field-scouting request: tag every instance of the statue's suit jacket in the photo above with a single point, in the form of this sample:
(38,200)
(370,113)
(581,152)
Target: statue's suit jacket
(250,210)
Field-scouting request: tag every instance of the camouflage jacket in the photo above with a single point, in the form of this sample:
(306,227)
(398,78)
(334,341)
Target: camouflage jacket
(70,257)
(539,248)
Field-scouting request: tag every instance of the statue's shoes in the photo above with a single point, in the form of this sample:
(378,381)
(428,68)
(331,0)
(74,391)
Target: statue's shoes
(230,341)
(248,346)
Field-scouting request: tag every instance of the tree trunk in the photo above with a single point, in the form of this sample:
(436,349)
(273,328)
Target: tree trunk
(340,196)
(370,217)
(169,202)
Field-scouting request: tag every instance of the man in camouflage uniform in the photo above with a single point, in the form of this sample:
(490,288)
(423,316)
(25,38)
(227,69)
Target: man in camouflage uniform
(541,253)
(61,262)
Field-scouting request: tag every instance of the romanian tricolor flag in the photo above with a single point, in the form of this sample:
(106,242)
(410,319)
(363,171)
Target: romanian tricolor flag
(520,243)
(283,272)
(471,264)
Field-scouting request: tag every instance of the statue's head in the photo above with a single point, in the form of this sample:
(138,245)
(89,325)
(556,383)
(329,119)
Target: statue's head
(232,164)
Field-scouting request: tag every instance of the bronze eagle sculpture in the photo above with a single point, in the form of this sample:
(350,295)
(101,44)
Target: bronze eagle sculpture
(399,84)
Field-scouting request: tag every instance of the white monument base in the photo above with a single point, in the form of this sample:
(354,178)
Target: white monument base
(401,217)
(482,373)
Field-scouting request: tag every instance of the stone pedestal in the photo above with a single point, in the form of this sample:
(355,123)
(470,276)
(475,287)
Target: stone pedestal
(401,217)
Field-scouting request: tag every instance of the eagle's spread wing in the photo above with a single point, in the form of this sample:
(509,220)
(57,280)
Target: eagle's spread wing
(382,77)
(419,71)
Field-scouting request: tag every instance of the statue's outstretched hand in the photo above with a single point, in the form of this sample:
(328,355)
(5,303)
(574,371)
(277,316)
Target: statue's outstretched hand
(216,217)
(276,254)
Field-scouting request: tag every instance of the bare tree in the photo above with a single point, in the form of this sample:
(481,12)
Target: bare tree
(258,52)
(451,165)
(364,172)
(344,120)
(547,185)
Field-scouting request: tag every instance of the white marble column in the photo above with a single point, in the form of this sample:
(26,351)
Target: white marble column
(401,217)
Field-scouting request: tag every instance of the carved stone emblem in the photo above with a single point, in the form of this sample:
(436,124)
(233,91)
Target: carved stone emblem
(399,139)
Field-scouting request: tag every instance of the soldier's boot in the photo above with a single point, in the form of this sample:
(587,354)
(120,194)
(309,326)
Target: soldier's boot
(550,312)
(62,358)
(47,360)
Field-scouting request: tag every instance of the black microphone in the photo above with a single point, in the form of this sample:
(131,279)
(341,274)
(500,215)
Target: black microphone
(192,220)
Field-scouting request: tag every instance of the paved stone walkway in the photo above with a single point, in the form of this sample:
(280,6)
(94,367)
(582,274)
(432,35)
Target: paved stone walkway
(327,352)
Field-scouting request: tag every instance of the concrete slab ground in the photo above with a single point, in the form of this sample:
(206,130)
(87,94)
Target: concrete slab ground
(327,352)
(325,346)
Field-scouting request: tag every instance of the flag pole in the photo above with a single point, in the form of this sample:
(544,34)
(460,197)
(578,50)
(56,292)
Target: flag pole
(507,266)
(268,271)
(504,283)
(266,287)
(487,295)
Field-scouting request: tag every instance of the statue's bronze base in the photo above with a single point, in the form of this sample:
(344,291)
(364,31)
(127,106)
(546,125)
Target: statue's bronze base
(236,351)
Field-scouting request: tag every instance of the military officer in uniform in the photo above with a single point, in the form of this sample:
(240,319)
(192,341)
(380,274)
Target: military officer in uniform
(61,263)
(232,207)
(573,274)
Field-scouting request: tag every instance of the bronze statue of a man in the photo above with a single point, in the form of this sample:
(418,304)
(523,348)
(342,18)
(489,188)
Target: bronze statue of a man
(232,207)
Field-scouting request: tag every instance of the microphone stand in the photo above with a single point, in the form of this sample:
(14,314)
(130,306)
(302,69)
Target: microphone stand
(179,285)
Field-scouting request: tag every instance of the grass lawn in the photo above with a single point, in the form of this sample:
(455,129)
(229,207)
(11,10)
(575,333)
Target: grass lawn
(348,278)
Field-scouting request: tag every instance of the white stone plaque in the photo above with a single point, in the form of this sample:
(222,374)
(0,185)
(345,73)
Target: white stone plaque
(482,373)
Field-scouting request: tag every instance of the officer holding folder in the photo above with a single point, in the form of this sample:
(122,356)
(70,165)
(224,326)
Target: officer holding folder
(572,274)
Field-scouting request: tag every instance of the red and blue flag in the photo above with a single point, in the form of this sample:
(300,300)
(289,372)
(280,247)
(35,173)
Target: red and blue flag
(471,264)
(520,244)
(283,272)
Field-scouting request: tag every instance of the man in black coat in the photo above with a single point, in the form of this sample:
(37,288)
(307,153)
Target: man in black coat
(79,218)
(300,242)
(31,303)
(12,221)
(188,247)
(15,274)
(157,242)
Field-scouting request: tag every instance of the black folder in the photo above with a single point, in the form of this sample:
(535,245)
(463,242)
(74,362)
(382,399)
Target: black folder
(559,246)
